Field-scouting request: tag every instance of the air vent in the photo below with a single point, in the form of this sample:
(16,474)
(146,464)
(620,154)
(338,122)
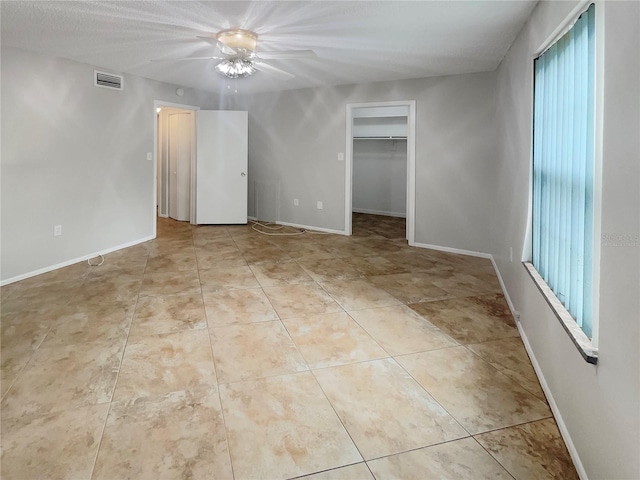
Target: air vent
(107,80)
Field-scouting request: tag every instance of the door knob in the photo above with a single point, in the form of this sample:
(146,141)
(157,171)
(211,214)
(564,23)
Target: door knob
(243,174)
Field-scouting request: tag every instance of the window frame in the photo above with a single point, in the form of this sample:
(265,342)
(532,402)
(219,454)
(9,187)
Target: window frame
(588,347)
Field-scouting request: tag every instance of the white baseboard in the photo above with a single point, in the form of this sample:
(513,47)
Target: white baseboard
(308,227)
(453,250)
(40,271)
(379,212)
(573,452)
(554,407)
(471,253)
(543,383)
(514,312)
(255,219)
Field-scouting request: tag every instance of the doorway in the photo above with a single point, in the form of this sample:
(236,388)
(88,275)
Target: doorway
(175,161)
(380,169)
(215,147)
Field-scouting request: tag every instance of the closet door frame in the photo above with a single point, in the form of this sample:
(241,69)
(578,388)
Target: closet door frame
(411,164)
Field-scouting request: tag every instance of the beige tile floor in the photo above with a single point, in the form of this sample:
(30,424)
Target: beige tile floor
(218,352)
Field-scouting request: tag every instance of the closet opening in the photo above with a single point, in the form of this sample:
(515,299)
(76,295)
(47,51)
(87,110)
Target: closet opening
(380,170)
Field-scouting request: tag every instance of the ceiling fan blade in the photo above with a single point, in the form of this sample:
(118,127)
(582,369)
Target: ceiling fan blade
(276,72)
(221,46)
(211,40)
(185,58)
(287,54)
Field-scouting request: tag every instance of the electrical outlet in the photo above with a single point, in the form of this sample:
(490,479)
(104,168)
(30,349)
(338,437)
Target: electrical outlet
(57,230)
(319,205)
(511,254)
(296,202)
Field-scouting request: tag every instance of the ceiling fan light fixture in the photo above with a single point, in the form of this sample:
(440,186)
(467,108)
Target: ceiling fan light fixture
(240,40)
(236,67)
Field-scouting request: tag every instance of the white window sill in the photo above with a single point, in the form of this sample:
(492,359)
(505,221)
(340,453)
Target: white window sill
(578,337)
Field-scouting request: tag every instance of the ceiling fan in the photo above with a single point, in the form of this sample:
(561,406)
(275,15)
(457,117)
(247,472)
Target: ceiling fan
(239,58)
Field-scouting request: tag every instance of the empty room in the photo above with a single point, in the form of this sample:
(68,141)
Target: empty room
(357,240)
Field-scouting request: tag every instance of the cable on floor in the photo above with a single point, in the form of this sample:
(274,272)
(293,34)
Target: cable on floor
(278,227)
(96,264)
(268,225)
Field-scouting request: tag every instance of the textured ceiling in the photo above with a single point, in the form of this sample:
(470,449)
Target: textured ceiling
(356,42)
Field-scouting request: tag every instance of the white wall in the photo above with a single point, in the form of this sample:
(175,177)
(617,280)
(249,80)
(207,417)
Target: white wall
(599,406)
(380,177)
(75,155)
(295,136)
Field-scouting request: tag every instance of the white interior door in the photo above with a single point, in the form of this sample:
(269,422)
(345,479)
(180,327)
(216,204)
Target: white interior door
(179,166)
(221,166)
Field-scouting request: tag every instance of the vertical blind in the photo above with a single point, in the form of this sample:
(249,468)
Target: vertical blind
(563,166)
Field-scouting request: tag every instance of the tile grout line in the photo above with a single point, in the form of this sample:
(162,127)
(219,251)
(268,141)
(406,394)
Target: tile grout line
(326,470)
(466,346)
(452,416)
(21,371)
(389,356)
(115,384)
(493,456)
(339,418)
(37,348)
(430,394)
(324,393)
(209,328)
(470,437)
(515,425)
(213,361)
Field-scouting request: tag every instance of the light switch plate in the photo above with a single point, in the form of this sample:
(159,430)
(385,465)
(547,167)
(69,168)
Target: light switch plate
(320,205)
(341,157)
(149,156)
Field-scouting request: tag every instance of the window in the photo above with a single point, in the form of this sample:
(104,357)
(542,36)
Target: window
(563,168)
